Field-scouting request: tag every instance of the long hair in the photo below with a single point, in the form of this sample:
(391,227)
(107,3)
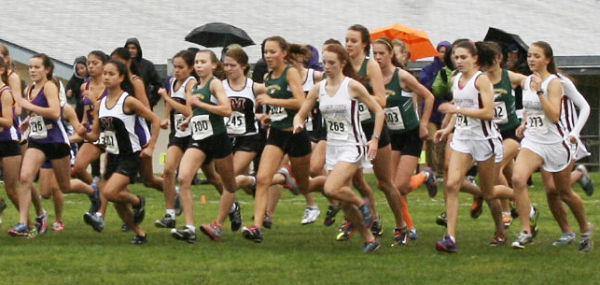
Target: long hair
(390,47)
(283,45)
(4,75)
(124,54)
(126,84)
(364,36)
(485,54)
(47,63)
(548,53)
(218,72)
(342,56)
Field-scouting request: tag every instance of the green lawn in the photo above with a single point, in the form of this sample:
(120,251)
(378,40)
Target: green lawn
(292,253)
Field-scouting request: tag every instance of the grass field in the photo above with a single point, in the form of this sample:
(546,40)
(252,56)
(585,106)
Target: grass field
(292,253)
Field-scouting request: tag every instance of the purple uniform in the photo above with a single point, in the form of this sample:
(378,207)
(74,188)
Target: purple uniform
(12,133)
(44,130)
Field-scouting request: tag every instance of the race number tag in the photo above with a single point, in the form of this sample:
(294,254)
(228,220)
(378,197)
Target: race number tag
(337,129)
(462,121)
(37,127)
(236,123)
(393,118)
(535,122)
(309,124)
(109,139)
(179,132)
(363,112)
(201,127)
(500,113)
(277,113)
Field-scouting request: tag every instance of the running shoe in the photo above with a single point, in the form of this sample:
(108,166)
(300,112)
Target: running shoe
(412,234)
(137,239)
(332,210)
(58,226)
(367,214)
(95,199)
(430,183)
(565,239)
(125,228)
(498,240)
(311,214)
(533,221)
(377,227)
(476,207)
(268,221)
(370,246)
(139,211)
(94,220)
(19,230)
(523,239)
(506,220)
(446,245)
(290,181)
(184,233)
(400,237)
(442,220)
(166,222)
(253,233)
(235,216)
(41,223)
(514,213)
(346,231)
(586,181)
(178,206)
(214,231)
(586,243)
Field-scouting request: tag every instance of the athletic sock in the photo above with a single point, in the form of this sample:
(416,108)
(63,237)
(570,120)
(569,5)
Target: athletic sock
(531,212)
(98,214)
(406,214)
(171,213)
(505,213)
(191,227)
(417,180)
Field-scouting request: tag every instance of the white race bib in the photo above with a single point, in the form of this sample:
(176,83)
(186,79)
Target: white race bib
(393,118)
(37,127)
(236,123)
(462,121)
(109,139)
(179,132)
(201,127)
(363,112)
(309,124)
(337,129)
(277,113)
(535,122)
(500,113)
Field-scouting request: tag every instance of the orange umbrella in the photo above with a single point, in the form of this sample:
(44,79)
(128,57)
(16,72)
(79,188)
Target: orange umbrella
(417,40)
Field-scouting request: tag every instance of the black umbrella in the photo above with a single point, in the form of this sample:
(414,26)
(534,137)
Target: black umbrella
(506,39)
(219,35)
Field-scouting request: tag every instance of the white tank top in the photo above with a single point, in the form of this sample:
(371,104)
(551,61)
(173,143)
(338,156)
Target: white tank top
(468,97)
(309,82)
(242,121)
(340,113)
(118,128)
(180,93)
(539,129)
(177,118)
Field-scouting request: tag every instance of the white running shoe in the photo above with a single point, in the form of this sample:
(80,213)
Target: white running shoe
(310,215)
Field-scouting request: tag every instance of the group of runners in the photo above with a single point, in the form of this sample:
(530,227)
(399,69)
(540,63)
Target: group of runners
(302,129)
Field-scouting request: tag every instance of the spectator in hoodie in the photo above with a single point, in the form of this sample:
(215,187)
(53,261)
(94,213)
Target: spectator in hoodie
(146,69)
(80,73)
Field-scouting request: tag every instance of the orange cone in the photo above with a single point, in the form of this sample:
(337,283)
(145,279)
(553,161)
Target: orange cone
(203,199)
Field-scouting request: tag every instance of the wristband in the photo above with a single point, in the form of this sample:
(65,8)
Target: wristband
(375,136)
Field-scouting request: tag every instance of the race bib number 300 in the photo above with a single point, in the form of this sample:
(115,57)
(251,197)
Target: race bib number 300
(201,127)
